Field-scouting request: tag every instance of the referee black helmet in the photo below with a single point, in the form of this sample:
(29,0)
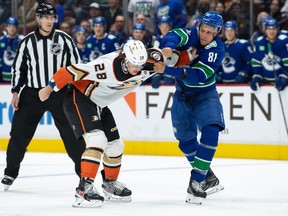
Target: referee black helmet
(45,9)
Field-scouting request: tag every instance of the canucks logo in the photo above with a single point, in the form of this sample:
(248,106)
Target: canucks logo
(228,63)
(271,64)
(8,56)
(55,48)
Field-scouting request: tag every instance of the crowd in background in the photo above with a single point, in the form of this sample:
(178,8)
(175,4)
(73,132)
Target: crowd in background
(100,26)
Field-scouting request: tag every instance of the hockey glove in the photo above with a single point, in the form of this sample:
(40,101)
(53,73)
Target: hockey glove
(241,77)
(156,80)
(281,82)
(256,82)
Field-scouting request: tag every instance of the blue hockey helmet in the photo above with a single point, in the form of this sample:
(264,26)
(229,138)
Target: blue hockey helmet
(264,19)
(271,23)
(81,29)
(165,19)
(11,21)
(230,24)
(139,26)
(212,18)
(99,21)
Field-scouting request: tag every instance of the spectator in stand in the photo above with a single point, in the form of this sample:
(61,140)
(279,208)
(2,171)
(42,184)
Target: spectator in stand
(118,29)
(190,7)
(284,14)
(112,12)
(81,9)
(2,29)
(269,58)
(220,8)
(202,7)
(236,12)
(236,65)
(148,36)
(29,15)
(275,11)
(87,25)
(8,46)
(80,37)
(94,11)
(101,42)
(145,7)
(260,27)
(65,27)
(175,9)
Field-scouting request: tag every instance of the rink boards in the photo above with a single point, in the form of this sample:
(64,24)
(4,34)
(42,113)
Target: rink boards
(255,126)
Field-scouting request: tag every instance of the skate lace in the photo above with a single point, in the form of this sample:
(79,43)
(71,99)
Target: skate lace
(90,189)
(197,186)
(115,186)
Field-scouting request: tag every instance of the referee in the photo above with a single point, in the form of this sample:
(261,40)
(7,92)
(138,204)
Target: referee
(40,54)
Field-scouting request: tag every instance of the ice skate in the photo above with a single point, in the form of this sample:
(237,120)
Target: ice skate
(7,181)
(195,192)
(87,196)
(115,191)
(211,184)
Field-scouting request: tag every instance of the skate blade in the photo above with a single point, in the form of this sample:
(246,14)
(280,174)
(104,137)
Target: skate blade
(82,203)
(6,187)
(195,200)
(113,198)
(215,189)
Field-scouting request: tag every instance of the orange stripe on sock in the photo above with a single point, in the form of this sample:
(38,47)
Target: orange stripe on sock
(88,169)
(78,111)
(111,173)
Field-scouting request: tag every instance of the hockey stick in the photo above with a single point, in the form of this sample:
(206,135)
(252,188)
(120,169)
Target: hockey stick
(271,57)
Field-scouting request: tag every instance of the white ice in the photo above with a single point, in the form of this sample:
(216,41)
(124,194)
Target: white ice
(46,186)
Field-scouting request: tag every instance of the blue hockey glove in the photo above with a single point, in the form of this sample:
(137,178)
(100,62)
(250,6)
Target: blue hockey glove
(156,80)
(281,82)
(256,82)
(241,77)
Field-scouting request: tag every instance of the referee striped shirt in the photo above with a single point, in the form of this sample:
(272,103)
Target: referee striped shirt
(38,57)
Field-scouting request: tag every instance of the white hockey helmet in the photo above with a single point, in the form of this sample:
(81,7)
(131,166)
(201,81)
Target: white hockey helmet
(135,52)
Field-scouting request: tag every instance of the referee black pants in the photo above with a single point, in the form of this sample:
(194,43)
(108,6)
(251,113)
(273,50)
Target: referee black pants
(25,122)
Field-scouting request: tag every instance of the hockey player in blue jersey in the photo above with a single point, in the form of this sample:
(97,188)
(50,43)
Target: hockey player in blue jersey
(101,42)
(196,105)
(80,37)
(8,46)
(270,58)
(236,65)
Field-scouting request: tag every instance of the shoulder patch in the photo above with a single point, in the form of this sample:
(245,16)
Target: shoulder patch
(282,37)
(212,44)
(110,36)
(243,41)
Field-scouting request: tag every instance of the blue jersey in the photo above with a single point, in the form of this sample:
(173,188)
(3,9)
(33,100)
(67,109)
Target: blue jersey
(8,47)
(270,60)
(84,54)
(202,71)
(176,10)
(98,47)
(237,59)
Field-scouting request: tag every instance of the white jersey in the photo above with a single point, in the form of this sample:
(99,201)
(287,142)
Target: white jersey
(105,79)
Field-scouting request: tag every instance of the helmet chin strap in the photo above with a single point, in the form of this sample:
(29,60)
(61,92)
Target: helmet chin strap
(43,29)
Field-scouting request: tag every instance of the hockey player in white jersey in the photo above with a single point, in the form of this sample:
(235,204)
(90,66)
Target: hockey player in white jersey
(94,86)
